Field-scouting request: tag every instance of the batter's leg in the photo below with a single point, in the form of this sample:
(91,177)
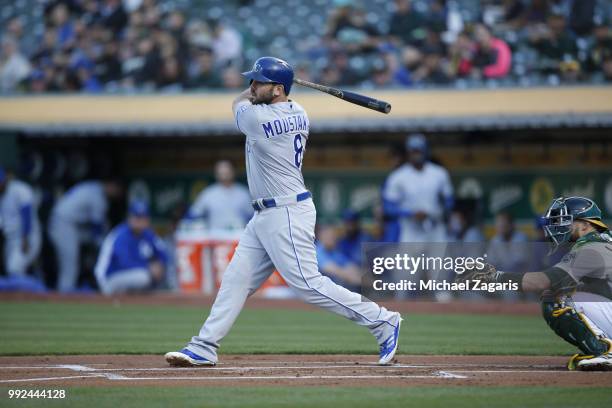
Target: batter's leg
(249,268)
(288,236)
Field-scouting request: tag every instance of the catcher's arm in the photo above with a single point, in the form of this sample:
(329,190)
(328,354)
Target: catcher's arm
(529,281)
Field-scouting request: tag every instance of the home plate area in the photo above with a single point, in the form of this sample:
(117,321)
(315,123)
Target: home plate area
(296,370)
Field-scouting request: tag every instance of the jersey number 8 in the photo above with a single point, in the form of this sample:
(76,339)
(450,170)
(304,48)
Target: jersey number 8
(299,150)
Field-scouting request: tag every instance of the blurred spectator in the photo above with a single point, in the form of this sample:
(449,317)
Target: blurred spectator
(79,216)
(14,29)
(203,73)
(514,13)
(537,11)
(407,25)
(382,76)
(226,43)
(232,79)
(493,57)
(302,71)
(20,225)
(607,69)
(132,257)
(225,205)
(433,69)
(581,16)
(330,76)
(348,29)
(14,67)
(462,228)
(507,249)
(348,76)
(600,48)
(113,16)
(108,65)
(436,19)
(461,54)
(144,45)
(62,24)
(171,75)
(555,44)
(333,263)
(354,236)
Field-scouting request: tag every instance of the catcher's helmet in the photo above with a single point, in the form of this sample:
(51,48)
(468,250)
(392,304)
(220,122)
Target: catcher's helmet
(272,70)
(563,211)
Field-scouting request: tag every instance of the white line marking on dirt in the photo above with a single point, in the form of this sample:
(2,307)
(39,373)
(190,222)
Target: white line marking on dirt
(75,367)
(283,377)
(446,374)
(560,370)
(50,378)
(217,368)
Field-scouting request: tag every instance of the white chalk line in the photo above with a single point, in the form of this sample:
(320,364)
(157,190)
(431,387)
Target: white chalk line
(49,378)
(76,367)
(103,372)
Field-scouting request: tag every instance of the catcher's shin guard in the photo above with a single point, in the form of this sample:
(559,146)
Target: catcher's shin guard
(576,329)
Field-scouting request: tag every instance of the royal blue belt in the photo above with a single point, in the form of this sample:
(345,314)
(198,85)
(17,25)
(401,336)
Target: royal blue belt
(264,203)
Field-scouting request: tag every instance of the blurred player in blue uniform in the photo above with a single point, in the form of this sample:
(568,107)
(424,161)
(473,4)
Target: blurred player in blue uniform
(20,225)
(79,216)
(225,205)
(418,194)
(354,236)
(334,263)
(132,257)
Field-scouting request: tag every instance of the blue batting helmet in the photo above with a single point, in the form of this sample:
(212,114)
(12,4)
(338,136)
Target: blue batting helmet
(272,70)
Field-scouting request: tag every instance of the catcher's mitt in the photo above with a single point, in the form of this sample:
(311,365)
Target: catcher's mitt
(487,274)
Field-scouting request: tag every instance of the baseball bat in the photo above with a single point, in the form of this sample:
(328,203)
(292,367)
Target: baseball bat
(357,99)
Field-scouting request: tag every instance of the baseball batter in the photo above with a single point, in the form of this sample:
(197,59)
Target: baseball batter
(281,232)
(577,291)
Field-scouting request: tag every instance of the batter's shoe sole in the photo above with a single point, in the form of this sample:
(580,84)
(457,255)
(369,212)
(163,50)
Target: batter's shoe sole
(187,358)
(389,347)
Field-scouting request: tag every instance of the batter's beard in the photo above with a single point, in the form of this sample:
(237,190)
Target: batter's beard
(265,99)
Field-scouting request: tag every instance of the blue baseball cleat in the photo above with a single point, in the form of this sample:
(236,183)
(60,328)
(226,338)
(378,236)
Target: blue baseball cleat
(389,346)
(186,358)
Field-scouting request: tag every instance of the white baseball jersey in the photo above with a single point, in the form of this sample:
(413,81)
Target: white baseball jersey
(224,207)
(419,190)
(83,203)
(281,236)
(16,196)
(276,138)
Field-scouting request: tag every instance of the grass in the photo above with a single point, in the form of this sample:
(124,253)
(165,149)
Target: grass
(56,328)
(353,397)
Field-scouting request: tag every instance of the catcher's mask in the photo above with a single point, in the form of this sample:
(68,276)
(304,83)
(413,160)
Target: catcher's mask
(564,211)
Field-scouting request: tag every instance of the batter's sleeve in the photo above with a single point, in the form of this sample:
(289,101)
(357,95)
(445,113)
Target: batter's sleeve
(245,114)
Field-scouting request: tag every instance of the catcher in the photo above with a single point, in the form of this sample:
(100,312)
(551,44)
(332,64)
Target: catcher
(577,291)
